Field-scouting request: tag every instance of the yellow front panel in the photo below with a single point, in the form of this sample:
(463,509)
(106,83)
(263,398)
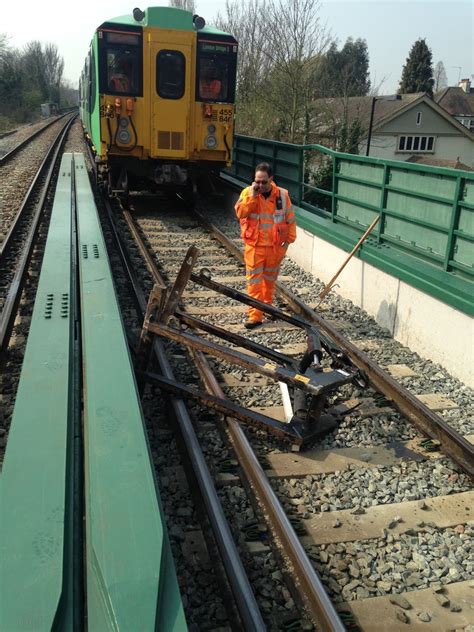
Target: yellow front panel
(221,116)
(170,118)
(109,132)
(170,129)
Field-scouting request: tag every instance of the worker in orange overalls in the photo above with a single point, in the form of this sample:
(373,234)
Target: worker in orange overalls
(121,75)
(267,223)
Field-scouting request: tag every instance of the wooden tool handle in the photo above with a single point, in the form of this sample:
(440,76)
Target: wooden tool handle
(328,286)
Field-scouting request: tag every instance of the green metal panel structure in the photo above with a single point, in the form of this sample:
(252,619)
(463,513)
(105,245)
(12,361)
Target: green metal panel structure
(426,232)
(131,581)
(35,500)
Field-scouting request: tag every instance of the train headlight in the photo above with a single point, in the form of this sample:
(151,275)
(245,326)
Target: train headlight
(210,142)
(199,22)
(124,136)
(138,14)
(211,129)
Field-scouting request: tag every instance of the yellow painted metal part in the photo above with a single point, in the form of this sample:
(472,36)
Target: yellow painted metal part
(173,129)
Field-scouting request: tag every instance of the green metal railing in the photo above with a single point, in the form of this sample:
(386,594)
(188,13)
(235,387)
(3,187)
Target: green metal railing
(425,211)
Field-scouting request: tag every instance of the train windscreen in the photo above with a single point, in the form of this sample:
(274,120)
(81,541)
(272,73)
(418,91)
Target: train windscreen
(121,63)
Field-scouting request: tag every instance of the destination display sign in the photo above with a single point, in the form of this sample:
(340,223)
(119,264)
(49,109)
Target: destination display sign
(217,47)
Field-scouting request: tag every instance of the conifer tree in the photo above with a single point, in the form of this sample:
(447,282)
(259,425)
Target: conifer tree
(417,74)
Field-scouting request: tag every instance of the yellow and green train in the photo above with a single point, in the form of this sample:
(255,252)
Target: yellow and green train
(157,99)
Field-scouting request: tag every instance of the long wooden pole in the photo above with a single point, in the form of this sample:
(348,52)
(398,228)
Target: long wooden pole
(328,286)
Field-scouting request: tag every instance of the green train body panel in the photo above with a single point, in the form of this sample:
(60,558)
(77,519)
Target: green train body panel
(131,580)
(90,113)
(35,505)
(426,233)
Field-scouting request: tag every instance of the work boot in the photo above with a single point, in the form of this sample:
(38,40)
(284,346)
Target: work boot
(251,324)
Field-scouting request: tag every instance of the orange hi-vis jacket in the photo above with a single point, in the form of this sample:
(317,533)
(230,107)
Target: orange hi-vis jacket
(120,83)
(266,222)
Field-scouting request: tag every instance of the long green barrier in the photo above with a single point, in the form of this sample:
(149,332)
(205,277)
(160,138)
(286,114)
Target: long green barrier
(131,579)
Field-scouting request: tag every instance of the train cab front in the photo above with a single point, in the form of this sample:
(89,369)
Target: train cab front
(167,91)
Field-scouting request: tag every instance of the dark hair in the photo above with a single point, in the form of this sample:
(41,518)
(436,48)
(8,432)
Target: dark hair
(264,166)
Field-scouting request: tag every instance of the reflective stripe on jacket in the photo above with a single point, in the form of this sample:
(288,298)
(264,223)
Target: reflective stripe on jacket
(266,222)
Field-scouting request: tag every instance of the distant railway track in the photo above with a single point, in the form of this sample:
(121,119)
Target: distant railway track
(162,239)
(7,157)
(21,223)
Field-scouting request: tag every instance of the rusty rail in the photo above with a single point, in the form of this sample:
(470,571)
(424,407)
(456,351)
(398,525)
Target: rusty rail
(429,423)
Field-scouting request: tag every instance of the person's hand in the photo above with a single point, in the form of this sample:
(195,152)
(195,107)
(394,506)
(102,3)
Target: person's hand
(255,189)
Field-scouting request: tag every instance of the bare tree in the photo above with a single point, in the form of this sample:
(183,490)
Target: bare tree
(297,41)
(439,76)
(34,69)
(53,70)
(187,5)
(245,20)
(280,46)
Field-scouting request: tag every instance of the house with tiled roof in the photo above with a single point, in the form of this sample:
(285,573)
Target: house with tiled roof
(403,128)
(459,102)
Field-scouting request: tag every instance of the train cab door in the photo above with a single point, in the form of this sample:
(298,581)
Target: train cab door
(170,85)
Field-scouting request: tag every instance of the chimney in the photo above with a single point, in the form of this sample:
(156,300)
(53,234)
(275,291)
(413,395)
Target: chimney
(465,85)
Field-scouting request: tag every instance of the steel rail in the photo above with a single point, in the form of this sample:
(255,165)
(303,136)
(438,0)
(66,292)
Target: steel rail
(13,297)
(6,157)
(453,444)
(307,581)
(247,606)
(19,215)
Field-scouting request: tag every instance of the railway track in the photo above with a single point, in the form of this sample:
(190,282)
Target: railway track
(25,137)
(23,208)
(328,526)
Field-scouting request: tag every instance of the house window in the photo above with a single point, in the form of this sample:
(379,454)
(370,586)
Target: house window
(418,118)
(416,143)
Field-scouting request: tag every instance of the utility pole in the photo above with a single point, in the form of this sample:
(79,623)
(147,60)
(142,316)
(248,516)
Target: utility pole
(390,97)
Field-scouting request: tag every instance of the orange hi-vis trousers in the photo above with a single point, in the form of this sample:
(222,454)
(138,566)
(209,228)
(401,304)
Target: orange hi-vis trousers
(262,265)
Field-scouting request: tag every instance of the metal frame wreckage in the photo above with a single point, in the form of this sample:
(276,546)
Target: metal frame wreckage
(310,383)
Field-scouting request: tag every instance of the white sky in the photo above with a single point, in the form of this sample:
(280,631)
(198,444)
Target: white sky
(389,26)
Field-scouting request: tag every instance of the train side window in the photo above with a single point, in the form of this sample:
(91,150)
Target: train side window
(170,74)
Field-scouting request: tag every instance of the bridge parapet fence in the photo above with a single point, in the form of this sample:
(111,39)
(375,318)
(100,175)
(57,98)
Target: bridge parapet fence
(425,211)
